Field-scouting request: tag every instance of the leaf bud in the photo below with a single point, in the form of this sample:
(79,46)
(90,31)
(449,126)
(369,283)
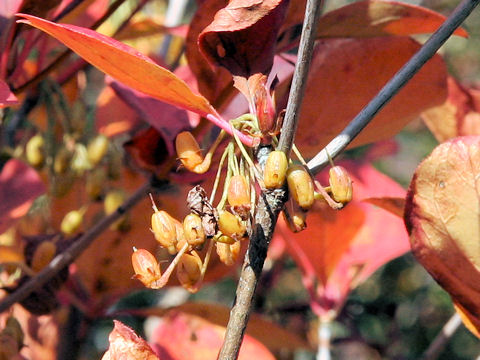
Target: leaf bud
(188,150)
(72,221)
(238,195)
(35,151)
(189,271)
(96,149)
(231,225)
(228,253)
(165,230)
(193,230)
(44,253)
(265,109)
(275,170)
(340,184)
(300,186)
(146,268)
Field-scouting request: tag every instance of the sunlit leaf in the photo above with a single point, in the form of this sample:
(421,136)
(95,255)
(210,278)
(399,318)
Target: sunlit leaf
(124,64)
(7,98)
(125,344)
(442,212)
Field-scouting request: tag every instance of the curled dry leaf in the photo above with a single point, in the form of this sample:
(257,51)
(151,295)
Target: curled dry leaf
(125,344)
(242,36)
(442,218)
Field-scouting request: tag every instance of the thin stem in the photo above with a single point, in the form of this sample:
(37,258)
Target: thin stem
(299,82)
(341,141)
(438,344)
(71,253)
(324,339)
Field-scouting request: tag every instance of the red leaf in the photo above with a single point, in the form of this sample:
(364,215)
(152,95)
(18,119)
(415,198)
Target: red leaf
(342,248)
(6,96)
(19,186)
(181,336)
(242,36)
(346,74)
(125,64)
(374,18)
(441,215)
(125,344)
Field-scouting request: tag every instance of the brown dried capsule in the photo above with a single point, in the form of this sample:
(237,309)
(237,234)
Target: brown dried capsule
(231,225)
(340,184)
(164,230)
(97,149)
(227,253)
(193,230)
(275,170)
(188,150)
(44,253)
(35,151)
(146,268)
(189,271)
(238,195)
(300,186)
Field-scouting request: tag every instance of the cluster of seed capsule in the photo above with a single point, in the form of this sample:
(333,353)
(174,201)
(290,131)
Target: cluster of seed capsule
(228,224)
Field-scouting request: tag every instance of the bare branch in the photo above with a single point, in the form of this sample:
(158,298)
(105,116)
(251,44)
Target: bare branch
(341,141)
(438,344)
(71,253)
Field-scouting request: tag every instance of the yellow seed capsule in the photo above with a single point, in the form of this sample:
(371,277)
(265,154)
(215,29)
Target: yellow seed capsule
(189,271)
(164,230)
(113,200)
(97,149)
(227,253)
(193,230)
(275,170)
(72,221)
(296,219)
(300,186)
(35,151)
(188,150)
(146,268)
(231,225)
(225,239)
(44,253)
(96,180)
(62,161)
(238,195)
(340,184)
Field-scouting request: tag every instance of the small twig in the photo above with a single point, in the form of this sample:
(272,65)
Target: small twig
(299,82)
(324,340)
(71,253)
(341,141)
(438,344)
(270,203)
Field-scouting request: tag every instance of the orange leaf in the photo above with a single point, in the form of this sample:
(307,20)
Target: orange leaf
(459,115)
(393,204)
(374,18)
(442,212)
(125,64)
(125,344)
(181,336)
(342,248)
(346,74)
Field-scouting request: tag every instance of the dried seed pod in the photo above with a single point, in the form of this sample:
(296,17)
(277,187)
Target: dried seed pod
(275,170)
(62,160)
(44,253)
(231,225)
(238,195)
(228,253)
(300,185)
(96,149)
(35,151)
(189,270)
(193,230)
(146,268)
(164,230)
(340,184)
(295,219)
(72,221)
(188,150)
